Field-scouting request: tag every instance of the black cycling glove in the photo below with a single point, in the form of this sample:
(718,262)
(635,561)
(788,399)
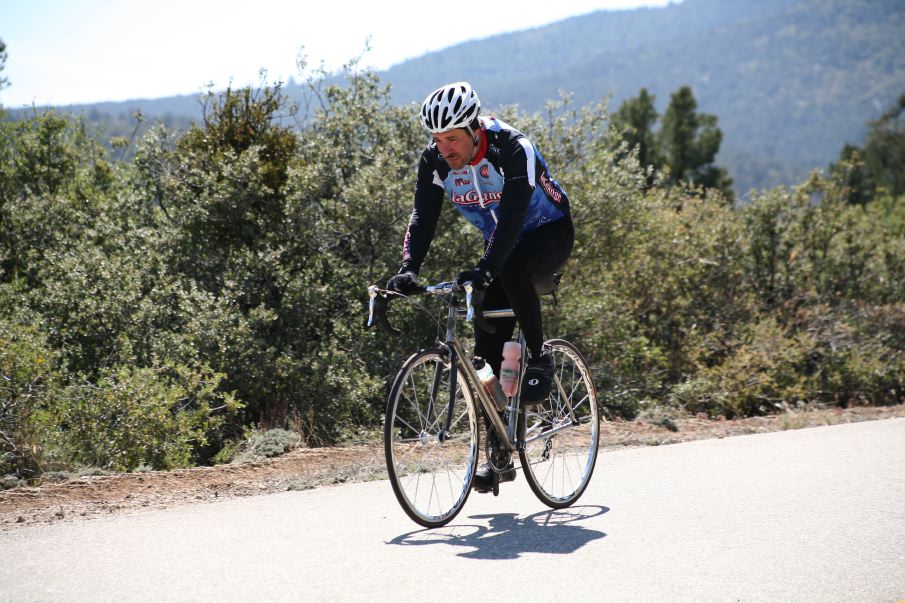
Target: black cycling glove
(480,278)
(405,283)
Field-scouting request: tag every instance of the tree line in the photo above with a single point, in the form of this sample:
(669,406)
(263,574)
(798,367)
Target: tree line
(156,310)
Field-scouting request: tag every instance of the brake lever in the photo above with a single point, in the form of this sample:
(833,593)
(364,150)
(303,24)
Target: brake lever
(377,311)
(474,300)
(469,314)
(372,294)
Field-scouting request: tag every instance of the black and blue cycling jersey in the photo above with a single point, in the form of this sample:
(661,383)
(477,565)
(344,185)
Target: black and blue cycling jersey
(506,191)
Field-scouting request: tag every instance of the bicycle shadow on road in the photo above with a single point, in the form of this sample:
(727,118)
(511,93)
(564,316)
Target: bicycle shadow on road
(508,536)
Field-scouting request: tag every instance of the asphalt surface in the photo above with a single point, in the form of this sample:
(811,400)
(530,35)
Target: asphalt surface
(809,515)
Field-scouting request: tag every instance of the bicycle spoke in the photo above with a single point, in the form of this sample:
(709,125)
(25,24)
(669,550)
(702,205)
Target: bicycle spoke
(567,473)
(407,424)
(415,404)
(581,402)
(549,469)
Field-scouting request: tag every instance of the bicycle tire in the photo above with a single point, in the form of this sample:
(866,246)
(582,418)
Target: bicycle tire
(558,467)
(431,475)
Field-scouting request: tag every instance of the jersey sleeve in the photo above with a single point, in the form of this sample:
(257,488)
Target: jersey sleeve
(518,167)
(423,221)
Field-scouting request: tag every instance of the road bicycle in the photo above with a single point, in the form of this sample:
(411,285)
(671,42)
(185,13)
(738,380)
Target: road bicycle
(432,424)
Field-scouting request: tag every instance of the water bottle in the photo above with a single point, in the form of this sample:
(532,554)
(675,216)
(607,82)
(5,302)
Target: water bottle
(490,382)
(512,353)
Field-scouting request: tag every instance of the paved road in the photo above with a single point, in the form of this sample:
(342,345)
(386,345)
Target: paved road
(810,515)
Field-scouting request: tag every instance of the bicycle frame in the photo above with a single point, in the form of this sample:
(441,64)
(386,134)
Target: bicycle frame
(507,433)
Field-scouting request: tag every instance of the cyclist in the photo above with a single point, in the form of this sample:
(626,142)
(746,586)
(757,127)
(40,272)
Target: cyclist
(499,181)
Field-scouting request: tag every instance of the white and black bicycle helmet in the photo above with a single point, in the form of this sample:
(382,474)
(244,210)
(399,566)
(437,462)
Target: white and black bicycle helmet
(449,107)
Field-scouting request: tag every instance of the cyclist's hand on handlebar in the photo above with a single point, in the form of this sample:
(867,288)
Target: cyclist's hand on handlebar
(405,283)
(480,278)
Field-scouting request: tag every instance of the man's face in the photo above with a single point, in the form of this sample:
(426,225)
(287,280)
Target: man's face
(456,146)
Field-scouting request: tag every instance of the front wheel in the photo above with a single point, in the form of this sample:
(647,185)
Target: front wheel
(430,467)
(561,434)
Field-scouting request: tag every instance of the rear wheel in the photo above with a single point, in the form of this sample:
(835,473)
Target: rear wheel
(561,434)
(430,468)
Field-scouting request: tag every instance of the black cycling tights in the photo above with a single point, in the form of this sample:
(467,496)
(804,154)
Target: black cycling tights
(535,258)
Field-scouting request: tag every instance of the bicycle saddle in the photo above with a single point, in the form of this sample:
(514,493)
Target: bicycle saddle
(549,285)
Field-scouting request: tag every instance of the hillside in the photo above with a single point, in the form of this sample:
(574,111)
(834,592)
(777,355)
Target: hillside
(791,81)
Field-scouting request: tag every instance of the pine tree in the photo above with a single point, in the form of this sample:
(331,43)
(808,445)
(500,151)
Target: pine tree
(689,142)
(884,149)
(881,163)
(635,121)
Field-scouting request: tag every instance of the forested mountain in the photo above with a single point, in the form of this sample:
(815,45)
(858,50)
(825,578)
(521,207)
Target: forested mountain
(791,81)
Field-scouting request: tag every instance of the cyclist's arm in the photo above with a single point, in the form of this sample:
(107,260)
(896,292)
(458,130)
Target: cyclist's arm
(517,190)
(423,221)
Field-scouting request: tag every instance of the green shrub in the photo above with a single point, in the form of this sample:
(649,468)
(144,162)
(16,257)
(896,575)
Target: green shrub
(267,444)
(28,380)
(138,416)
(837,356)
(859,356)
(756,378)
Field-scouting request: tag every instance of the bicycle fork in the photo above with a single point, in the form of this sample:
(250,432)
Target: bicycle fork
(450,410)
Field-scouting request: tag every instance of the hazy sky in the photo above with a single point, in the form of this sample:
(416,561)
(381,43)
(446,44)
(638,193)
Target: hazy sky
(65,52)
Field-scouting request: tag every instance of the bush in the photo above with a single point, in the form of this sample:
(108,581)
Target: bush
(267,444)
(756,378)
(831,356)
(28,381)
(138,416)
(859,356)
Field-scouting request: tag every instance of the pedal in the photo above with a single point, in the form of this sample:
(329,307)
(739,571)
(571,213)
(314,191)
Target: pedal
(496,483)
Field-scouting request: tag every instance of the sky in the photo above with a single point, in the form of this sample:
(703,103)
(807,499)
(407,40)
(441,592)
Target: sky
(72,52)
